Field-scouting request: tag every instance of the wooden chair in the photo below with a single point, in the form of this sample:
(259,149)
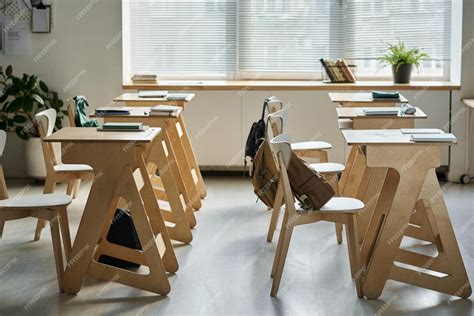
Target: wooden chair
(48,207)
(71,112)
(306,149)
(329,170)
(56,172)
(338,210)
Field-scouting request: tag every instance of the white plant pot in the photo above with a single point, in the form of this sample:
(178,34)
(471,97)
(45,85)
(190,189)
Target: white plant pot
(34,159)
(35,167)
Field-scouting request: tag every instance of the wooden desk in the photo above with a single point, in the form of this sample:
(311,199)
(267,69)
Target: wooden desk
(410,184)
(176,159)
(362,99)
(361,121)
(115,157)
(178,138)
(132,99)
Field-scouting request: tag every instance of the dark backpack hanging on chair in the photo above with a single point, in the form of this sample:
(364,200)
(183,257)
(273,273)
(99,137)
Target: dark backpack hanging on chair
(257,131)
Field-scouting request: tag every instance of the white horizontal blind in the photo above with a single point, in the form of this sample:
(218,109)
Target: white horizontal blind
(182,36)
(283,35)
(369,24)
(228,37)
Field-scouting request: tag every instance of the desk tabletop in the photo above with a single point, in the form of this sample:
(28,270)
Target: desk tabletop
(383,137)
(133,97)
(91,134)
(358,112)
(468,102)
(135,112)
(362,97)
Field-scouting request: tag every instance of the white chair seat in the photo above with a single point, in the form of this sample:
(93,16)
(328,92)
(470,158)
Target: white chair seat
(311,145)
(338,204)
(72,168)
(327,167)
(345,123)
(36,201)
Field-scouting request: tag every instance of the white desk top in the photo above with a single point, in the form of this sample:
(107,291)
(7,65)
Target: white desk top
(383,137)
(358,112)
(362,97)
(133,97)
(91,134)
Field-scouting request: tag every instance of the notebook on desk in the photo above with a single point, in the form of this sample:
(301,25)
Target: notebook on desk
(438,138)
(178,97)
(119,126)
(165,110)
(421,131)
(111,111)
(381,111)
(152,94)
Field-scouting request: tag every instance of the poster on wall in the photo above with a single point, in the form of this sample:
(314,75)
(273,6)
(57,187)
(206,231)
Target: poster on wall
(5,20)
(16,39)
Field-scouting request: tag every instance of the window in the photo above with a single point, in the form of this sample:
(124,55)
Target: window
(241,39)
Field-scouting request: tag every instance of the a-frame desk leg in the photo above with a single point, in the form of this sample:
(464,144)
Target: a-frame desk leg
(192,158)
(109,185)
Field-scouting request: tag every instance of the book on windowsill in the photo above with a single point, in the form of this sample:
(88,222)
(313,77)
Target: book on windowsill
(338,71)
(144,79)
(436,138)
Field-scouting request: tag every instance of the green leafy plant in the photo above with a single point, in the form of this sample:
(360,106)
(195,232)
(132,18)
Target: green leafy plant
(21,98)
(398,54)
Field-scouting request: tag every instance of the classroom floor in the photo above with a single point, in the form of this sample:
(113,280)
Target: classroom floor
(226,269)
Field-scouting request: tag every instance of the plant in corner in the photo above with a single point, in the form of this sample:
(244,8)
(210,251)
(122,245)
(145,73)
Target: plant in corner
(20,99)
(402,60)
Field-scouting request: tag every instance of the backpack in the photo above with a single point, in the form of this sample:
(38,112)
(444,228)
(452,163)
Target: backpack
(265,174)
(309,187)
(122,232)
(257,131)
(82,120)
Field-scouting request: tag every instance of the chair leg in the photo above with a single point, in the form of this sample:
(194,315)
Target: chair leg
(280,257)
(49,186)
(275,213)
(58,255)
(73,187)
(323,156)
(339,233)
(354,252)
(70,187)
(2,226)
(65,233)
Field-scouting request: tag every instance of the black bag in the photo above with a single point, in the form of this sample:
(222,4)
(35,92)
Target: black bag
(122,232)
(257,131)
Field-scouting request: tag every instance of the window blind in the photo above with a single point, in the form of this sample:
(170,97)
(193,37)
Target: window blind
(285,36)
(182,36)
(227,37)
(369,24)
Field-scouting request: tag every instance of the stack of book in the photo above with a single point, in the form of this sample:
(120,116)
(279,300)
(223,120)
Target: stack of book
(165,110)
(112,111)
(118,126)
(144,79)
(338,71)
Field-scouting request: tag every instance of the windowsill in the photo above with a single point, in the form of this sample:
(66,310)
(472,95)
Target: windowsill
(290,85)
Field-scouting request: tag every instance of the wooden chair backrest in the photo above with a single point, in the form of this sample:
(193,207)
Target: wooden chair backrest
(71,112)
(281,150)
(46,120)
(276,121)
(3,185)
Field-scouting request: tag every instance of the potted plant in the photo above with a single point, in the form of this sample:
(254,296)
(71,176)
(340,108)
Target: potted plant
(20,99)
(402,60)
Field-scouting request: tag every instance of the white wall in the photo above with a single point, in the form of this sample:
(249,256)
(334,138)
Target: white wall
(85,53)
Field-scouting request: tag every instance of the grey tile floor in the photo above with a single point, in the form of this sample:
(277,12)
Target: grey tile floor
(226,269)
